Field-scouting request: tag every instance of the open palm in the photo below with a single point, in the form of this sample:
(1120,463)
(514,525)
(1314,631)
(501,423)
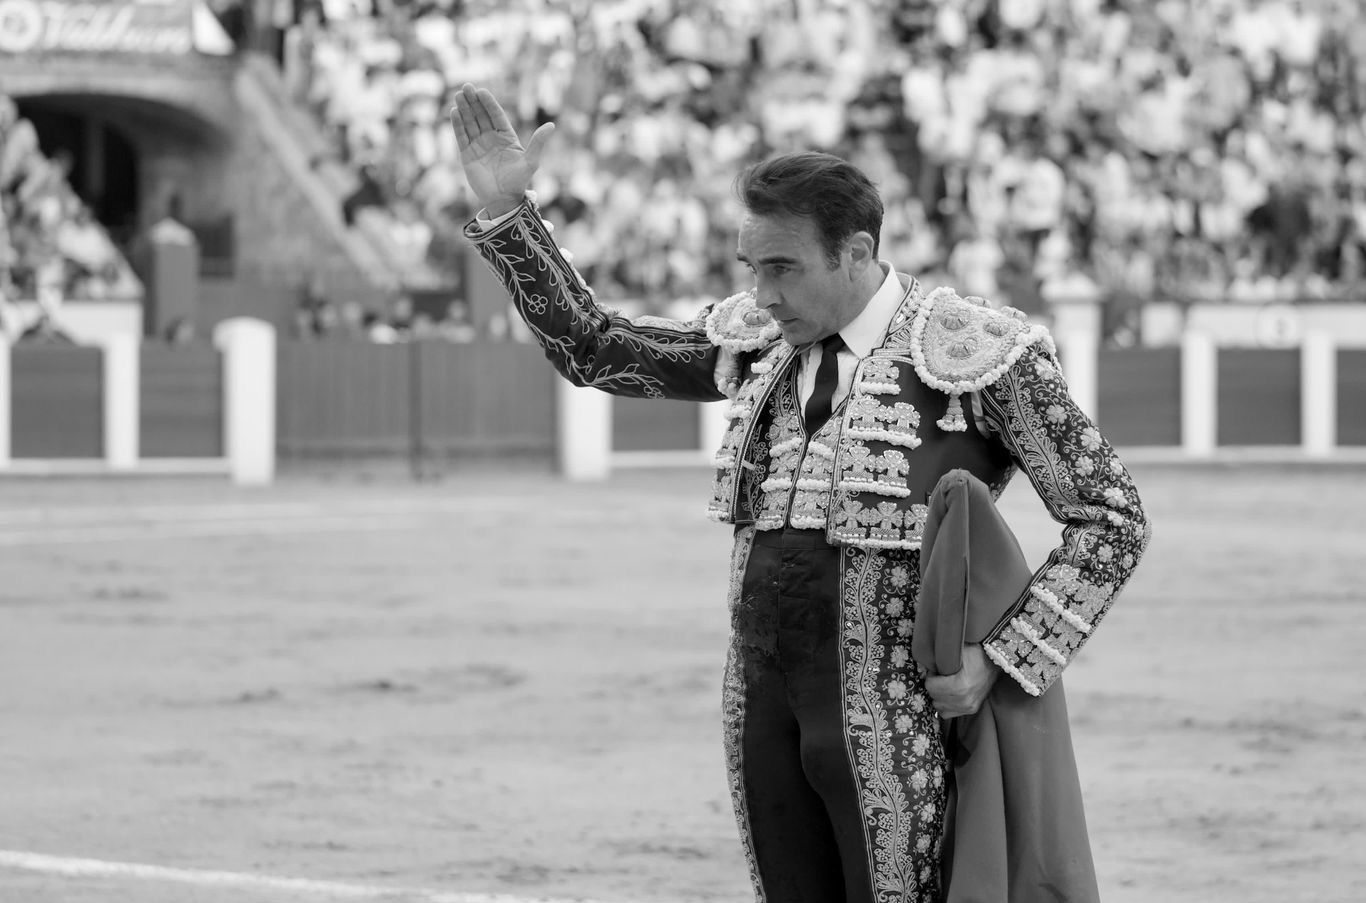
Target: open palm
(497,166)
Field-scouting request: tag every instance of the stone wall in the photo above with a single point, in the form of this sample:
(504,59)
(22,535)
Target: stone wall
(210,131)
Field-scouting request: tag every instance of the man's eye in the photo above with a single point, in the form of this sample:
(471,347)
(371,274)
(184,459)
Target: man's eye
(779,270)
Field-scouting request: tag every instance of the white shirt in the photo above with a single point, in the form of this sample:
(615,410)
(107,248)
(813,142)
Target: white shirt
(861,335)
(864,333)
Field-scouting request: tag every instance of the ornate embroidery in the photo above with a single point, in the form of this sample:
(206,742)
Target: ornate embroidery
(591,346)
(886,526)
(733,713)
(883,474)
(739,479)
(811,501)
(737,324)
(964,345)
(891,732)
(786,440)
(1082,483)
(894,424)
(726,460)
(878,376)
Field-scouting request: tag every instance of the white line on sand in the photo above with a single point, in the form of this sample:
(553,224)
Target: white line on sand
(133,871)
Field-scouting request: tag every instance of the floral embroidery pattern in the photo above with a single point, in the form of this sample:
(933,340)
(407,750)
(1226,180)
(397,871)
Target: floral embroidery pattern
(786,442)
(742,461)
(886,526)
(891,731)
(875,414)
(894,424)
(811,501)
(733,714)
(1087,489)
(964,345)
(883,474)
(801,471)
(878,376)
(650,357)
(738,324)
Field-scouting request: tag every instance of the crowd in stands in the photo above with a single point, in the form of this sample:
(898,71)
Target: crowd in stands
(51,247)
(1028,150)
(400,319)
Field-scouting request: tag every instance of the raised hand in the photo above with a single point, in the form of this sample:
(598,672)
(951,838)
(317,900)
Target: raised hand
(497,166)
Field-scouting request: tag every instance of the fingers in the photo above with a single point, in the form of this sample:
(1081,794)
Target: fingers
(536,145)
(488,109)
(476,112)
(948,695)
(462,120)
(937,688)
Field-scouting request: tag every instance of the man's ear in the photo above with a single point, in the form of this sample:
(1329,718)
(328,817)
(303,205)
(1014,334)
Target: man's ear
(861,256)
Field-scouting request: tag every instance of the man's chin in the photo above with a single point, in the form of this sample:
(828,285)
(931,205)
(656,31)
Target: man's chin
(795,333)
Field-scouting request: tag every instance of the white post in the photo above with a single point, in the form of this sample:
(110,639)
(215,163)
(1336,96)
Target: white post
(248,348)
(6,395)
(1199,394)
(1318,394)
(583,431)
(1080,353)
(714,424)
(122,413)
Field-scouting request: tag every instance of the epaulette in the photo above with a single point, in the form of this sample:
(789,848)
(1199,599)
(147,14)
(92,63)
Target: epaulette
(738,324)
(964,345)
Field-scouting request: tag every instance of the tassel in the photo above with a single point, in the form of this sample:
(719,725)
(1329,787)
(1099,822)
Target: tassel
(953,420)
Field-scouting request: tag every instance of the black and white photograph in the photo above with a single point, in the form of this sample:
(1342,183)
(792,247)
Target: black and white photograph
(671,451)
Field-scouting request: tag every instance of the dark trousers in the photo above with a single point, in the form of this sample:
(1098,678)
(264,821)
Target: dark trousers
(806,824)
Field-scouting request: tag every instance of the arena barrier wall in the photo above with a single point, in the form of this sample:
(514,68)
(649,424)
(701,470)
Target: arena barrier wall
(1195,401)
(430,400)
(125,407)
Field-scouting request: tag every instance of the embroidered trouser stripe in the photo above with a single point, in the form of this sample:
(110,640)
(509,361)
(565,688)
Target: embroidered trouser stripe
(804,801)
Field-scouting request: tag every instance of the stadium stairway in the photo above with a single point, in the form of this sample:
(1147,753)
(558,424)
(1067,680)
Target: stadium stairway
(297,144)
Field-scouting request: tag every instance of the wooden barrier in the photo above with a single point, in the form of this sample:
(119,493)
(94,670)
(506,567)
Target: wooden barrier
(1350,406)
(1139,395)
(124,407)
(181,401)
(57,405)
(235,407)
(347,399)
(1192,401)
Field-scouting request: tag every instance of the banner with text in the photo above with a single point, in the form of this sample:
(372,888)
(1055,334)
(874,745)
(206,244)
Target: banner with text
(101,26)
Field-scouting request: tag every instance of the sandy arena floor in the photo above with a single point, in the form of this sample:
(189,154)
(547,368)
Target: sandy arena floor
(503,687)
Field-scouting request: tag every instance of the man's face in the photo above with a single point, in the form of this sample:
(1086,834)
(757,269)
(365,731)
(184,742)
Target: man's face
(793,279)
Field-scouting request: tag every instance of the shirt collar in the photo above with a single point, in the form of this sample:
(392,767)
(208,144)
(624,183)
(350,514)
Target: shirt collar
(869,329)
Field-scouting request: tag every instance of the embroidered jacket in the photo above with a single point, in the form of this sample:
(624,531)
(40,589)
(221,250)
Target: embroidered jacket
(866,475)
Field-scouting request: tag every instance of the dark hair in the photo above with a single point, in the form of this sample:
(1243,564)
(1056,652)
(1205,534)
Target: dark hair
(833,193)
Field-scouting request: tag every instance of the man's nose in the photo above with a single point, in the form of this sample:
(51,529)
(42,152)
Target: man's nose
(765,296)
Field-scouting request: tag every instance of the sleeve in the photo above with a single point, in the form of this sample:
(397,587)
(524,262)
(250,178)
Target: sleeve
(647,357)
(1086,488)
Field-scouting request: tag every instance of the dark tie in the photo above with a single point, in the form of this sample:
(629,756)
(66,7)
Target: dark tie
(827,378)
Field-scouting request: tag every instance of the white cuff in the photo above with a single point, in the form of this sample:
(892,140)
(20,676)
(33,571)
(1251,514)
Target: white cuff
(482,221)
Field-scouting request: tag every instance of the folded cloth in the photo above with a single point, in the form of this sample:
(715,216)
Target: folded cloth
(1015,829)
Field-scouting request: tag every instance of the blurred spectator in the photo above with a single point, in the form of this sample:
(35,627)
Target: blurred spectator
(368,193)
(45,331)
(456,326)
(1031,149)
(51,247)
(180,331)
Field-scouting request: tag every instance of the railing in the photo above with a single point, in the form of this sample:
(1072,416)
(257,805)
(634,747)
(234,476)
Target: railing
(428,400)
(127,407)
(124,407)
(1195,401)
